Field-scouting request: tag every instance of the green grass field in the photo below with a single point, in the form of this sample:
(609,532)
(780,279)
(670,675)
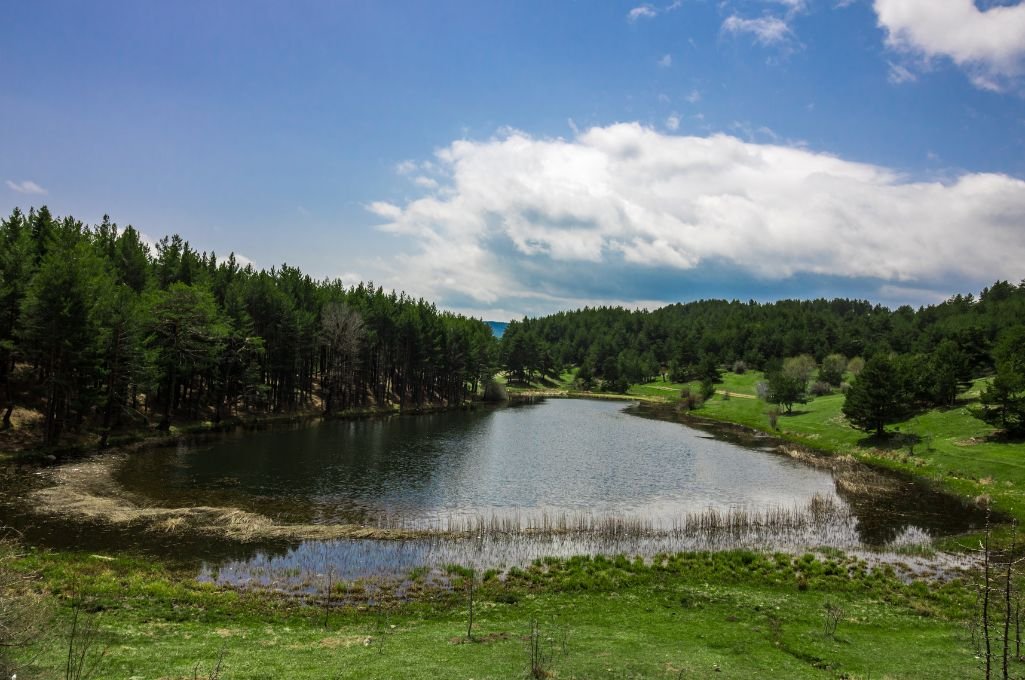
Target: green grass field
(743,614)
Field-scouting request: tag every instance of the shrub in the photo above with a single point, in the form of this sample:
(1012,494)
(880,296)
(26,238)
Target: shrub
(707,389)
(689,400)
(832,369)
(820,388)
(773,415)
(739,367)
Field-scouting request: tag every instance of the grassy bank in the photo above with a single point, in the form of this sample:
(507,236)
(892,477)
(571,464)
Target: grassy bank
(952,447)
(743,614)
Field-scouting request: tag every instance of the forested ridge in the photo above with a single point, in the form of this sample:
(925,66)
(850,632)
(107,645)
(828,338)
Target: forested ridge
(915,358)
(610,341)
(98,333)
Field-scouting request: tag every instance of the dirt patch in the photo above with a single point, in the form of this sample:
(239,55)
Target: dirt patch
(87,491)
(343,641)
(480,639)
(738,395)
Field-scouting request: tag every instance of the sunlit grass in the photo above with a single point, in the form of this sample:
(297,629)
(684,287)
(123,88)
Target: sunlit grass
(953,447)
(746,614)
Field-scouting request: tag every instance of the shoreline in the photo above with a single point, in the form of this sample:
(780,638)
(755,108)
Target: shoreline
(85,489)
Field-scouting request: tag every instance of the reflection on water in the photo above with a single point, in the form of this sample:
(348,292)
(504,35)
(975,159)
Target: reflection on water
(506,466)
(558,456)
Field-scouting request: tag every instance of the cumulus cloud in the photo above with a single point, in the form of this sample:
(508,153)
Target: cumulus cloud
(988,44)
(673,121)
(767,30)
(666,60)
(26,187)
(621,211)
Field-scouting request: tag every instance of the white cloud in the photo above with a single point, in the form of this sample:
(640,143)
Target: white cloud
(989,45)
(350,279)
(666,60)
(767,30)
(405,167)
(426,182)
(26,187)
(641,12)
(385,210)
(793,6)
(526,222)
(900,74)
(244,261)
(694,97)
(673,122)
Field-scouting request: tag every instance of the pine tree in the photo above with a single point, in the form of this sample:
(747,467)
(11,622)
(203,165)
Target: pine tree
(876,398)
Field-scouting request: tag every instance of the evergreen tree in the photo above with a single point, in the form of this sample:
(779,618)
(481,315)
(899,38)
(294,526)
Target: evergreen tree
(58,328)
(876,397)
(1003,402)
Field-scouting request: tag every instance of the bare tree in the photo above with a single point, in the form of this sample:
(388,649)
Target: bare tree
(342,332)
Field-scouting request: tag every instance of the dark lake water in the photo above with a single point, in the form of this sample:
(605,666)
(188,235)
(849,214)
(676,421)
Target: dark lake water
(568,458)
(558,456)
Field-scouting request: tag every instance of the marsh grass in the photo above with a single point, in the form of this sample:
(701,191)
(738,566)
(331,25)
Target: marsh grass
(494,547)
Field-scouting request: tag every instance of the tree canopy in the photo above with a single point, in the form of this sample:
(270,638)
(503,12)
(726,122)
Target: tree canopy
(98,331)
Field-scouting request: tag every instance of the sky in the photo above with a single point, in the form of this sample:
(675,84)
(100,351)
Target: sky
(517,158)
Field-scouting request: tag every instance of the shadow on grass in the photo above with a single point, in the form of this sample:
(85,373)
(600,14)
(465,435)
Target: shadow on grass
(889,441)
(795,412)
(1005,437)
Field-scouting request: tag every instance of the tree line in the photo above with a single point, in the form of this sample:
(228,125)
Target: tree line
(97,331)
(927,355)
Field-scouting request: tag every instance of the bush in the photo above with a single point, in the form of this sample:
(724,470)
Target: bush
(707,389)
(689,400)
(739,367)
(820,388)
(833,367)
(773,415)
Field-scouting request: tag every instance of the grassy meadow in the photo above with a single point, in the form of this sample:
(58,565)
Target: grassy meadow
(741,614)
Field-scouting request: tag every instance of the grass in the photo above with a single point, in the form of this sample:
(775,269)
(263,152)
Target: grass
(746,614)
(956,450)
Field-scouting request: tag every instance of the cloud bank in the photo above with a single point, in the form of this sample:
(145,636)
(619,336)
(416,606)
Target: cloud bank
(989,45)
(625,213)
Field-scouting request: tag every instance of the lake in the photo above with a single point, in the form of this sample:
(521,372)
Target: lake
(598,476)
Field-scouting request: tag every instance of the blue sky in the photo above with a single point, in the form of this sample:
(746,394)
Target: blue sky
(522,157)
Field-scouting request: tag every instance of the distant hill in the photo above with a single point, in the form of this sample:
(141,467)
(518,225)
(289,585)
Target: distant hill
(497,327)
